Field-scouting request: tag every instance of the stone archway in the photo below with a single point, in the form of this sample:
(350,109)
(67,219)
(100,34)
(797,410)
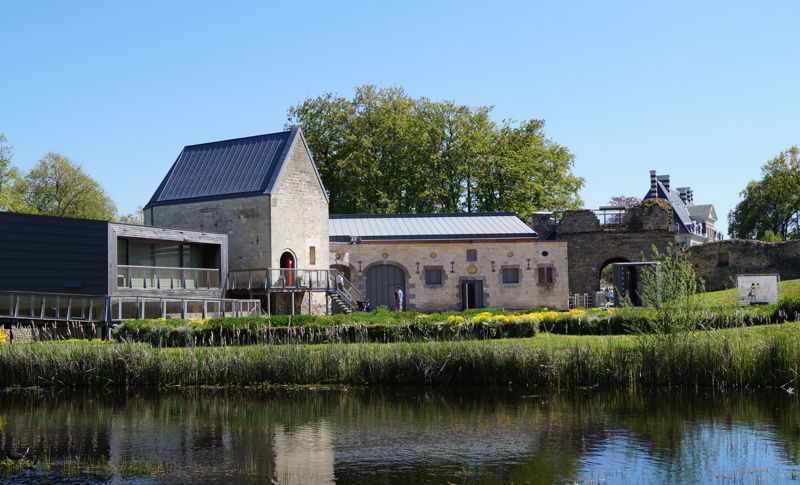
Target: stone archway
(382,279)
(606,274)
(288,264)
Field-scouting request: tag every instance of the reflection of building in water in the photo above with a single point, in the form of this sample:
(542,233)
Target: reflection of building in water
(304,454)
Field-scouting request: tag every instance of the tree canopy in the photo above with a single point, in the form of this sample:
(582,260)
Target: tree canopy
(57,186)
(383,151)
(770,207)
(10,180)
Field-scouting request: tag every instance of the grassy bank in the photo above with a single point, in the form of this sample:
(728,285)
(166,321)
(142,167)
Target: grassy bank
(787,289)
(753,357)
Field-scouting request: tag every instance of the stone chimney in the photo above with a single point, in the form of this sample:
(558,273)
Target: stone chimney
(684,193)
(653,187)
(664,179)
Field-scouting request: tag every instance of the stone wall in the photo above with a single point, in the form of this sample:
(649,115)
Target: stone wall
(718,263)
(451,256)
(246,221)
(593,245)
(300,212)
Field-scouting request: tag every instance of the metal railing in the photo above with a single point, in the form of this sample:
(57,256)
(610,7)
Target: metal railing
(97,308)
(284,279)
(162,277)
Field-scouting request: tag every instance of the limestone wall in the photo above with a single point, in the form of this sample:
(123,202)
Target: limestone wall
(718,263)
(246,221)
(299,212)
(451,256)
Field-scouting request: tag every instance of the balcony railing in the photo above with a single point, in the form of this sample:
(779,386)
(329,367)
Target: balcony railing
(27,306)
(292,279)
(161,277)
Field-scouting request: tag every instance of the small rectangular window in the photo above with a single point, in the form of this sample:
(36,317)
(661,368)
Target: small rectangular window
(312,255)
(434,277)
(724,260)
(472,255)
(546,275)
(510,275)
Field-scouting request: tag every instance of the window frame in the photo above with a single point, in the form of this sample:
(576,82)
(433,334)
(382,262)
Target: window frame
(516,269)
(442,276)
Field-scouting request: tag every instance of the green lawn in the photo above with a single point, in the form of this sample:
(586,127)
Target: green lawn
(788,288)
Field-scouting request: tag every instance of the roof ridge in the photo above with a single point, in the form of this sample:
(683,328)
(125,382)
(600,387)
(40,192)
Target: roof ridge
(264,135)
(422,214)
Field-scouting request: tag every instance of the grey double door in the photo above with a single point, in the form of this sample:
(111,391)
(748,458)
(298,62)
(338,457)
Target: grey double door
(382,279)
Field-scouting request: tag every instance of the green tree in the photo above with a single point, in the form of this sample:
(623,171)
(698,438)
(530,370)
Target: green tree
(57,186)
(11,184)
(383,151)
(772,203)
(135,217)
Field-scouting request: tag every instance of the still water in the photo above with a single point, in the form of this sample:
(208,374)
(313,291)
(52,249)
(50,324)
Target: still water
(408,436)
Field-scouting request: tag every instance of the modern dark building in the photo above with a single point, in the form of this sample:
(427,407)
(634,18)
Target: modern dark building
(66,268)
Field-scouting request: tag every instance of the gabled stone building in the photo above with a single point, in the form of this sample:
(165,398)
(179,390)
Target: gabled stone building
(263,191)
(266,194)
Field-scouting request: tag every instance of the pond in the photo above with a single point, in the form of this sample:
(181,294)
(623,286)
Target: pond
(402,435)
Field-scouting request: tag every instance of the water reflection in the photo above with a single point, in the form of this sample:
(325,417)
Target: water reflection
(414,436)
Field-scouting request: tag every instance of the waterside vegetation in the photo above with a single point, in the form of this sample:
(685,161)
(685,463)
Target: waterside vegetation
(733,358)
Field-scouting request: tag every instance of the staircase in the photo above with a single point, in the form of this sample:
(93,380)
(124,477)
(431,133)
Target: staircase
(340,304)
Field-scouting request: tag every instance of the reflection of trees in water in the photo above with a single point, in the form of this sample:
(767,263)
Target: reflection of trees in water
(404,435)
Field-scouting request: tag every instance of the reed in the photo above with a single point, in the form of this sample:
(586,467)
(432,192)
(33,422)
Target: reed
(733,358)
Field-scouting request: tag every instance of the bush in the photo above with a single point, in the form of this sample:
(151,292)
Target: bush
(787,310)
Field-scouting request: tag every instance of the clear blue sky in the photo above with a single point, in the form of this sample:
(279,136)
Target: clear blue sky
(704,91)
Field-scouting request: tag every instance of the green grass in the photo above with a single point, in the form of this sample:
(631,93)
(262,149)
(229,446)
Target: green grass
(749,356)
(788,289)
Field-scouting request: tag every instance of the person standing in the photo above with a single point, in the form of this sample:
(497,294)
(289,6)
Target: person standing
(398,296)
(339,281)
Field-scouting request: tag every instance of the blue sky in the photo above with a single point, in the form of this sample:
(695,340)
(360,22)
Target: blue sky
(704,91)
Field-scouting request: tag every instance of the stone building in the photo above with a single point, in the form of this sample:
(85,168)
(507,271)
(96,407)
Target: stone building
(694,223)
(450,261)
(264,192)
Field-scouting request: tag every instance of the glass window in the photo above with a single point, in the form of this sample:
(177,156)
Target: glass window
(472,255)
(434,276)
(546,275)
(193,256)
(168,255)
(122,251)
(510,275)
(140,253)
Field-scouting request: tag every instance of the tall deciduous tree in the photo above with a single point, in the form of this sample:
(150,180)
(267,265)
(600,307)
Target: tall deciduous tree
(57,186)
(383,151)
(11,184)
(771,204)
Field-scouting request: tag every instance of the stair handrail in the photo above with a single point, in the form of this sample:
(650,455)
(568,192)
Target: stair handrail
(348,290)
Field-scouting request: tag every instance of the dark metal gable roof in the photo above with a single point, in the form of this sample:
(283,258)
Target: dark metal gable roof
(223,169)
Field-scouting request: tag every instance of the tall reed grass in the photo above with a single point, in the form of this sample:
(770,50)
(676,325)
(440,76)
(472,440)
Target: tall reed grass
(751,357)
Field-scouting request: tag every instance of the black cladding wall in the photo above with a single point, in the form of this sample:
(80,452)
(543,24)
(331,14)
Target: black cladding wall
(53,254)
